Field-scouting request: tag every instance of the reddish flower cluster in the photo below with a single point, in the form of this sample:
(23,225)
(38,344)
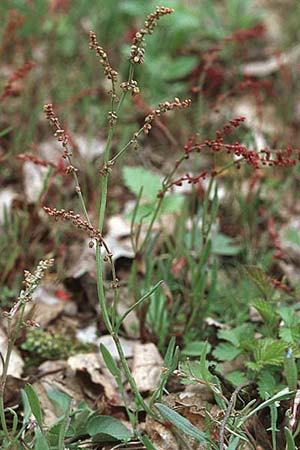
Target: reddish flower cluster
(162,108)
(79,223)
(245,34)
(59,167)
(109,72)
(59,132)
(138,44)
(190,179)
(273,234)
(15,21)
(228,127)
(265,157)
(282,287)
(256,86)
(19,74)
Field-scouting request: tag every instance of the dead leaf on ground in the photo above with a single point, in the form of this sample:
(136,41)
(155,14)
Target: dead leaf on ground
(34,177)
(89,148)
(47,306)
(16,363)
(161,436)
(273,64)
(146,367)
(90,363)
(7,196)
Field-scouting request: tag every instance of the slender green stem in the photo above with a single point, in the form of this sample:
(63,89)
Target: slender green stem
(123,150)
(99,263)
(129,376)
(12,337)
(165,184)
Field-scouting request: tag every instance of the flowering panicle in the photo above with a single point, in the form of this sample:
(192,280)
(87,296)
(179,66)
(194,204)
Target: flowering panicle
(31,282)
(137,50)
(109,72)
(19,74)
(273,234)
(130,86)
(282,287)
(59,168)
(162,108)
(245,34)
(62,137)
(59,132)
(79,223)
(190,179)
(255,159)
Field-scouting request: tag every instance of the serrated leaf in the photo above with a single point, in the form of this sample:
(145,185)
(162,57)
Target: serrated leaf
(182,423)
(288,315)
(108,426)
(265,309)
(290,335)
(269,352)
(136,178)
(226,352)
(260,279)
(35,405)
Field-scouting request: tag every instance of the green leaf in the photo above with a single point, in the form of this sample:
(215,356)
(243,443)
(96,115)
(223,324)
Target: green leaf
(5,131)
(289,439)
(288,315)
(268,352)
(108,426)
(232,336)
(147,443)
(137,177)
(172,203)
(290,335)
(40,441)
(60,400)
(182,423)
(260,279)
(195,348)
(265,309)
(34,404)
(110,362)
(226,352)
(176,68)
(292,235)
(204,365)
(267,385)
(290,369)
(236,378)
(224,245)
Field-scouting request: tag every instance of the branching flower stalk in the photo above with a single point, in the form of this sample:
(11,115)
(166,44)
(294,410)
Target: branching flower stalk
(31,282)
(136,57)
